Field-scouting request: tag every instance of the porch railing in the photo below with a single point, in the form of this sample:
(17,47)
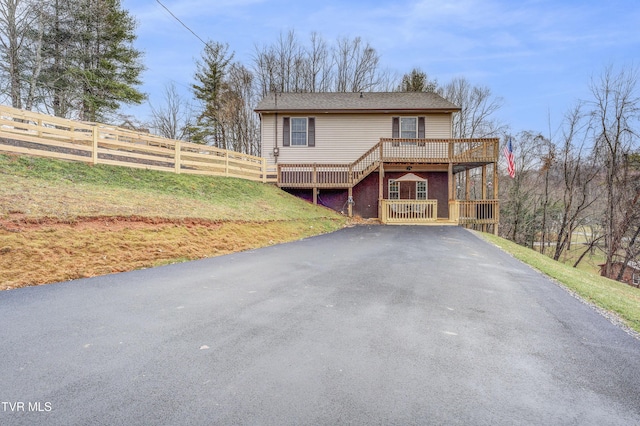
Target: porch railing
(435,151)
(409,211)
(476,212)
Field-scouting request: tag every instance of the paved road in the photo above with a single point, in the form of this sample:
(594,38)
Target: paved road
(369,325)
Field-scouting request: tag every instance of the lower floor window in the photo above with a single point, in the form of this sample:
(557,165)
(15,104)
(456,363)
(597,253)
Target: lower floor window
(421,190)
(636,279)
(394,190)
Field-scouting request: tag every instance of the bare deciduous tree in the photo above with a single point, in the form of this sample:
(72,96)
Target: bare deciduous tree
(174,118)
(351,65)
(519,219)
(318,71)
(478,104)
(356,66)
(616,118)
(578,171)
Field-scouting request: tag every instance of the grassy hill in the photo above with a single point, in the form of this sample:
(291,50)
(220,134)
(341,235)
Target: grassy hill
(61,220)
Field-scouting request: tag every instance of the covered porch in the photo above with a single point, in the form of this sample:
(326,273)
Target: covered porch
(424,212)
(470,200)
(423,181)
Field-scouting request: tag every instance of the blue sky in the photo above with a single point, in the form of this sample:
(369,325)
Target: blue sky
(538,55)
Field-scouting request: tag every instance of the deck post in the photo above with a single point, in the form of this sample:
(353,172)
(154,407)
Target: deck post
(451,193)
(315,195)
(350,205)
(380,186)
(450,180)
(484,189)
(495,196)
(467,185)
(314,176)
(484,182)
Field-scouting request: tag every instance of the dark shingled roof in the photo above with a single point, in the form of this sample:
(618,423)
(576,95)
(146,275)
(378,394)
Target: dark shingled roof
(355,102)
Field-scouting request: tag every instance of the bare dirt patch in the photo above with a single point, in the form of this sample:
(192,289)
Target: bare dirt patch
(46,250)
(18,222)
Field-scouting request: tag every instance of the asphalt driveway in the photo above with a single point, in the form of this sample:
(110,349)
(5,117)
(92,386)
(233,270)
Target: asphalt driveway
(369,325)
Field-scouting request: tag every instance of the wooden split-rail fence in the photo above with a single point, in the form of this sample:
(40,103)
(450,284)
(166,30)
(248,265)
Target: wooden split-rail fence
(26,132)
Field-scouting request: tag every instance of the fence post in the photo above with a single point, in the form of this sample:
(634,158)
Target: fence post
(226,163)
(94,151)
(177,157)
(264,170)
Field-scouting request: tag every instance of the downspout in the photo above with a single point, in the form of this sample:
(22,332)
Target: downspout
(276,150)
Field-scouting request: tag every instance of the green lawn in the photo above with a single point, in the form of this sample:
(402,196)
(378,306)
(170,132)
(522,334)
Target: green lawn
(38,187)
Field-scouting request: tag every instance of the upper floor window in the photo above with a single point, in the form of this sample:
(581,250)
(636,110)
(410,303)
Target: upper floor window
(298,131)
(408,127)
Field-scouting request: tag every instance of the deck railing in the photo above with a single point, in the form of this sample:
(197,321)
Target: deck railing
(440,150)
(435,151)
(475,212)
(365,164)
(409,211)
(314,175)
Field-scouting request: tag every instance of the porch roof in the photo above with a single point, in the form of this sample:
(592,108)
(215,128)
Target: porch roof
(361,102)
(410,177)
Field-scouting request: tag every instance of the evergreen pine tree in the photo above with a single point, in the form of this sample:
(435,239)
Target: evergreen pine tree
(210,89)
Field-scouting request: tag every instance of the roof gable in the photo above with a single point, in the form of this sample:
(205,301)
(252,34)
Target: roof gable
(371,102)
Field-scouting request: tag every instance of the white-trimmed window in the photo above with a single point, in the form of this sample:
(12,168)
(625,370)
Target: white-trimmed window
(408,127)
(636,279)
(421,190)
(298,131)
(394,189)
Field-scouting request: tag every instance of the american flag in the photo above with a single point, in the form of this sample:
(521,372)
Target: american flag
(508,154)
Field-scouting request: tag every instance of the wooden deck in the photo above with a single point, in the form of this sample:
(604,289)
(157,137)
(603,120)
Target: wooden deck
(460,153)
(450,155)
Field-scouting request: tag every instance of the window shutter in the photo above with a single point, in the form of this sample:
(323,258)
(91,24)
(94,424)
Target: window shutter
(286,134)
(420,127)
(311,131)
(395,128)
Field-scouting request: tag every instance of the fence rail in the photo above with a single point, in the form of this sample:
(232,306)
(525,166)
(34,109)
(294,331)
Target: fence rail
(46,136)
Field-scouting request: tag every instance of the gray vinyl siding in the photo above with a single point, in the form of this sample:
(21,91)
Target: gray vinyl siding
(341,138)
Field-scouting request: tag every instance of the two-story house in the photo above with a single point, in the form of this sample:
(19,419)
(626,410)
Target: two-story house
(380,155)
